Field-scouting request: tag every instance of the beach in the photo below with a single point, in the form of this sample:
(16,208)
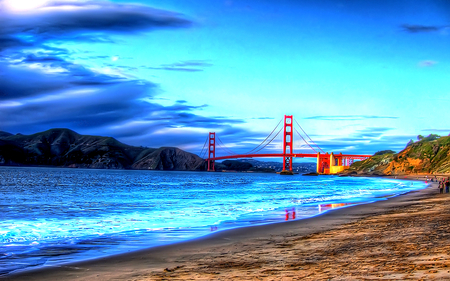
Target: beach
(404,237)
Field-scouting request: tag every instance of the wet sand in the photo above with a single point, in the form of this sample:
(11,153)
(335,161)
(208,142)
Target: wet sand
(403,238)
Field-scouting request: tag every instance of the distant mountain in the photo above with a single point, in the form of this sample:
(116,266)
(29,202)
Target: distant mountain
(240,166)
(66,148)
(4,134)
(302,167)
(429,155)
(252,165)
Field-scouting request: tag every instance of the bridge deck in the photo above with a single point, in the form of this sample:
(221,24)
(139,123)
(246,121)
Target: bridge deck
(294,155)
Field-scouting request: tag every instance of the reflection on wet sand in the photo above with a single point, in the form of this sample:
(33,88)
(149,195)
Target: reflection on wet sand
(290,214)
(326,207)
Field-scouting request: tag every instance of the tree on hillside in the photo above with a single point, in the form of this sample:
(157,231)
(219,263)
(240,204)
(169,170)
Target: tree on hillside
(432,137)
(384,152)
(409,143)
(420,137)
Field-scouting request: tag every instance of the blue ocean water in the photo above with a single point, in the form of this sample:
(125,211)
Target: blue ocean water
(50,216)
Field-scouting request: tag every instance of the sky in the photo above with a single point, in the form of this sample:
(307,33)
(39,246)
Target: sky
(358,76)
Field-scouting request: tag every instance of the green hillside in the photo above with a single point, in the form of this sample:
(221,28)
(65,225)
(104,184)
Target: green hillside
(429,155)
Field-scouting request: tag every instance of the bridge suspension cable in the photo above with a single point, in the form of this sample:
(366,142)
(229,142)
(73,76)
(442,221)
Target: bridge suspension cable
(265,138)
(305,140)
(309,137)
(226,149)
(270,140)
(203,151)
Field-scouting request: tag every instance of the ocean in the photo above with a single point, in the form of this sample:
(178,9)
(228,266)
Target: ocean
(52,216)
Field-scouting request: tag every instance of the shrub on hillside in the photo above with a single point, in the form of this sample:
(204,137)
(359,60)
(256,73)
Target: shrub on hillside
(382,152)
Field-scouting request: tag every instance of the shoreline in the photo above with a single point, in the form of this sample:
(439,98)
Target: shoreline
(163,258)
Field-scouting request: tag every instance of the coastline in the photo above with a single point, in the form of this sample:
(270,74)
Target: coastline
(172,261)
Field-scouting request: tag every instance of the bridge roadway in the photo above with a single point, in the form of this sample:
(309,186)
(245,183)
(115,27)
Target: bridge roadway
(297,155)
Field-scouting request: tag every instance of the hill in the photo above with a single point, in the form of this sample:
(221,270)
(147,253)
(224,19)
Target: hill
(429,155)
(241,166)
(66,148)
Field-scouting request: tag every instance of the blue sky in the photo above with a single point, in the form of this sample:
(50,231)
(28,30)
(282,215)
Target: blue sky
(359,76)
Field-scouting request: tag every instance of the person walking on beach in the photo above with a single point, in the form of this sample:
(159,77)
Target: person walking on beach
(441,186)
(447,184)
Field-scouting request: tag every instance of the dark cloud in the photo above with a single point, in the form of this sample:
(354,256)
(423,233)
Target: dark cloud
(78,108)
(184,66)
(349,117)
(198,63)
(92,16)
(99,57)
(7,42)
(117,109)
(53,74)
(34,58)
(181,117)
(84,19)
(60,93)
(415,28)
(184,107)
(182,69)
(13,86)
(427,63)
(166,128)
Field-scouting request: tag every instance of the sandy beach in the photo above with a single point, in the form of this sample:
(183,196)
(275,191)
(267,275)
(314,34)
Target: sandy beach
(403,238)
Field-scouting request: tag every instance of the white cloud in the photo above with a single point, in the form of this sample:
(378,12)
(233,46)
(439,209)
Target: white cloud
(23,5)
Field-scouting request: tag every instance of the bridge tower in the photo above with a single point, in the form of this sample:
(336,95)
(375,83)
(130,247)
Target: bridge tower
(323,163)
(211,151)
(288,141)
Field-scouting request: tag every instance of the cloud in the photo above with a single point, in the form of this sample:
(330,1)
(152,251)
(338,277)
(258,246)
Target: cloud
(348,117)
(49,74)
(63,18)
(7,42)
(90,20)
(371,131)
(45,59)
(436,130)
(415,28)
(184,66)
(356,145)
(62,21)
(61,93)
(263,118)
(120,110)
(427,63)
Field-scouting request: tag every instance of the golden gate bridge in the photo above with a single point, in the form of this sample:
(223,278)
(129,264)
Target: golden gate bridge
(327,163)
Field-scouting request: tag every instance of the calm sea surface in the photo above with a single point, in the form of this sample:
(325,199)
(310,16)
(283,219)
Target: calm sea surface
(50,216)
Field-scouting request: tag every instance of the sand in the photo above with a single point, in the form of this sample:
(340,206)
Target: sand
(403,238)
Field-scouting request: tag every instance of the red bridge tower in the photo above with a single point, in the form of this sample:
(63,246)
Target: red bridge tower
(288,141)
(211,151)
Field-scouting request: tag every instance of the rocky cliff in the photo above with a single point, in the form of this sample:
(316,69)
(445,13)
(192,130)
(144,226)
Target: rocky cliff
(424,156)
(66,148)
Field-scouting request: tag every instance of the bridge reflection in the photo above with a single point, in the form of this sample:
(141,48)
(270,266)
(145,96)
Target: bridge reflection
(326,207)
